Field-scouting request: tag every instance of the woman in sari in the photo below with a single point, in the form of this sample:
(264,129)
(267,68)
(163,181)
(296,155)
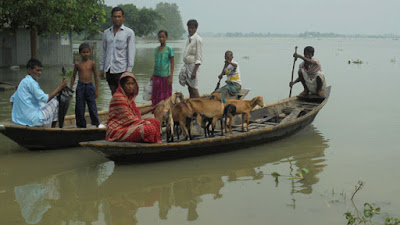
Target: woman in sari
(124,118)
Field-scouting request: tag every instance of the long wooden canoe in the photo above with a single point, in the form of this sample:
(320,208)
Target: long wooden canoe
(40,138)
(271,122)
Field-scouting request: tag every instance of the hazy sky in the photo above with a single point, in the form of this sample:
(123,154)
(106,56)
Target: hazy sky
(287,16)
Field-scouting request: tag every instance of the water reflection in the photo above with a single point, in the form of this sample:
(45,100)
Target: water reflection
(109,194)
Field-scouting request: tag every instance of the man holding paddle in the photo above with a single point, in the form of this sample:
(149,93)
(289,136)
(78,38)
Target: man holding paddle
(310,74)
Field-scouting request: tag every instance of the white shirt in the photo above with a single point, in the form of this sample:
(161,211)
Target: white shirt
(193,53)
(118,52)
(232,73)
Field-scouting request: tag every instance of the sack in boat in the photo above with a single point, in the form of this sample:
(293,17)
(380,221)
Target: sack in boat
(64,98)
(148,89)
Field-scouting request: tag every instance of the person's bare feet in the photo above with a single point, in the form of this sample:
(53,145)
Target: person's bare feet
(303,94)
(321,94)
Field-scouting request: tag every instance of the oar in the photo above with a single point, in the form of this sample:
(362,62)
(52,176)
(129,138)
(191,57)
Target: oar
(219,81)
(294,62)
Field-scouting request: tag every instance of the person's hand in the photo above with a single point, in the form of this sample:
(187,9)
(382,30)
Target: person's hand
(147,123)
(151,78)
(102,74)
(97,93)
(220,76)
(295,55)
(63,84)
(170,80)
(194,75)
(291,84)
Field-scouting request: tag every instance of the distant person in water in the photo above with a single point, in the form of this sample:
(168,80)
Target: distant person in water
(86,92)
(163,70)
(233,83)
(192,58)
(30,105)
(310,74)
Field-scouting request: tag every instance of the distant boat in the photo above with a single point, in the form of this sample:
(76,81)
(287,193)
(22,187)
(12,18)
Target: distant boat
(274,121)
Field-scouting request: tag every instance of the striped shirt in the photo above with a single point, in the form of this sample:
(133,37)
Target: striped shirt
(118,52)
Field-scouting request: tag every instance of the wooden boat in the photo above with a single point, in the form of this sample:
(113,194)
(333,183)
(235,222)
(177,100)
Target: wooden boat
(40,138)
(271,122)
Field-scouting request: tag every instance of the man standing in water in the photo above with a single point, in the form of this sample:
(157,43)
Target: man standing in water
(192,57)
(118,50)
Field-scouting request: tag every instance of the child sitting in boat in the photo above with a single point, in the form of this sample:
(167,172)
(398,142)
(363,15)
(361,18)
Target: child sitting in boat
(310,74)
(233,83)
(30,105)
(85,91)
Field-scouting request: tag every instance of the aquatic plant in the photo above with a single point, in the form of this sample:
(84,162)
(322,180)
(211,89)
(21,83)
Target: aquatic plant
(368,212)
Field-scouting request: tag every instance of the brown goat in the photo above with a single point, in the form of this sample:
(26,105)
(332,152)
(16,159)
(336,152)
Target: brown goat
(162,112)
(245,106)
(229,113)
(209,110)
(182,114)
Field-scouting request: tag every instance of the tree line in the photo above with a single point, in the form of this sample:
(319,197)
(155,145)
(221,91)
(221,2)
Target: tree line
(88,17)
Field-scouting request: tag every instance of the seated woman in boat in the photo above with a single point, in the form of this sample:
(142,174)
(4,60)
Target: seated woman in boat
(310,74)
(124,118)
(233,83)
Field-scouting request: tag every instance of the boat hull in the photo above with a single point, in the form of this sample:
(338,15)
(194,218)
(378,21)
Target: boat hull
(40,138)
(123,152)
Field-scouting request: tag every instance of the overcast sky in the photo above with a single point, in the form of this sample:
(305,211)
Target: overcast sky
(287,16)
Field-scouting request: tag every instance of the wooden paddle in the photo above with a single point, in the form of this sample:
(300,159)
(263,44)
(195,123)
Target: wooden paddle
(294,62)
(219,82)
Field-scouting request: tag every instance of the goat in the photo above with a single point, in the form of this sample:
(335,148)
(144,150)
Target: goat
(162,112)
(182,114)
(245,106)
(216,96)
(229,112)
(208,109)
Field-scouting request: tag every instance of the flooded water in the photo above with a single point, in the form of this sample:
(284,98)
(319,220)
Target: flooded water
(353,138)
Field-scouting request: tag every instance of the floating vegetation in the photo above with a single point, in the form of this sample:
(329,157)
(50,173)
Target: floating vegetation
(393,60)
(245,57)
(358,61)
(369,210)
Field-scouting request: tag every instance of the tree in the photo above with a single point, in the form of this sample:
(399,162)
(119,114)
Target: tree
(42,17)
(172,20)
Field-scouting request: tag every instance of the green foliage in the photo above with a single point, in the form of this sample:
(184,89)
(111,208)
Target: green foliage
(52,16)
(368,213)
(300,174)
(171,19)
(392,221)
(68,74)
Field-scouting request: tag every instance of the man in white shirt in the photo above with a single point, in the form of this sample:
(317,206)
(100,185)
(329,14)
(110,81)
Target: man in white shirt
(192,58)
(118,50)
